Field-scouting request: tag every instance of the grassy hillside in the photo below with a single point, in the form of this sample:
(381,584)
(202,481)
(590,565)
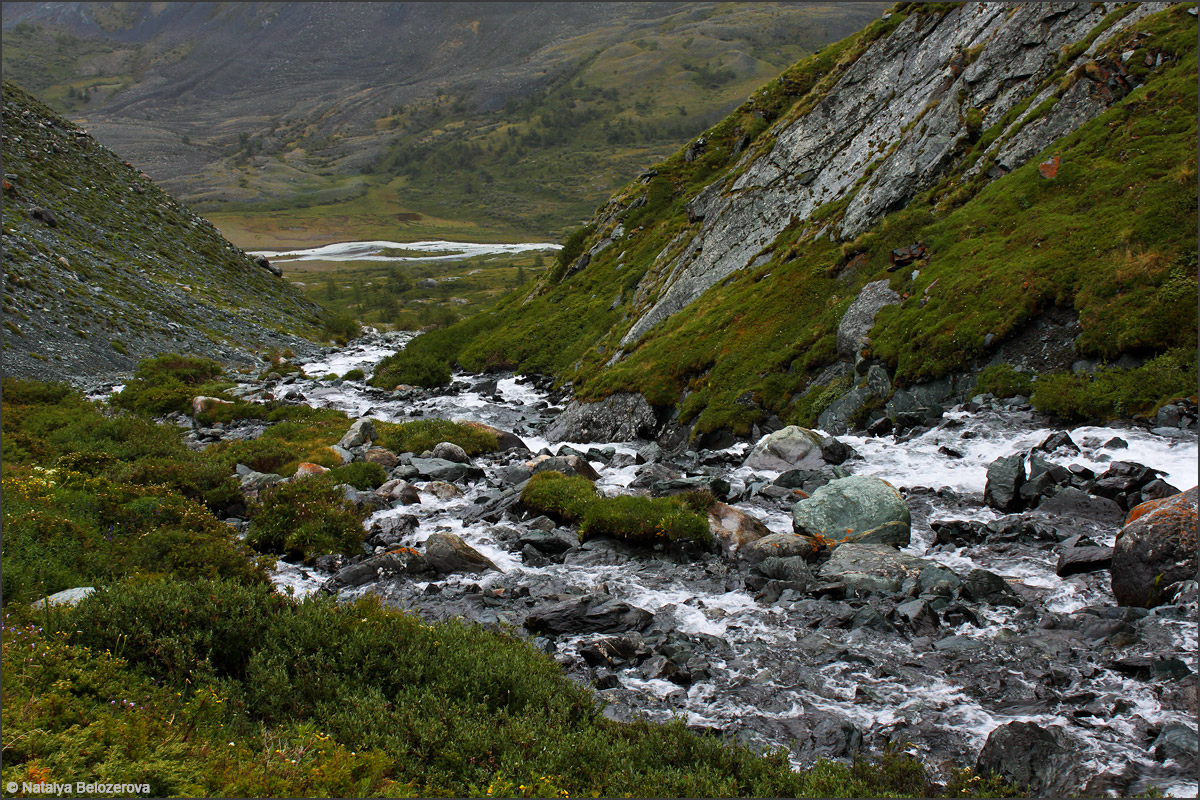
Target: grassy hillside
(1112,237)
(515,119)
(103,268)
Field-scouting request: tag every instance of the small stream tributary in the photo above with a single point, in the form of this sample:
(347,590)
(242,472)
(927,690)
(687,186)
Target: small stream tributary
(820,675)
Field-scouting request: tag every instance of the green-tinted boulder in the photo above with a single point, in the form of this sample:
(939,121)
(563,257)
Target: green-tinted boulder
(857,509)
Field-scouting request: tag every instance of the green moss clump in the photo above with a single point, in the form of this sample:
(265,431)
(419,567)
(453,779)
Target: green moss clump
(362,475)
(425,434)
(638,520)
(1002,380)
(305,518)
(166,383)
(354,375)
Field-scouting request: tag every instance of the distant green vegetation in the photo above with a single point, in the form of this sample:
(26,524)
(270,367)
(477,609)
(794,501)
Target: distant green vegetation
(1118,393)
(1000,254)
(186,671)
(642,521)
(425,434)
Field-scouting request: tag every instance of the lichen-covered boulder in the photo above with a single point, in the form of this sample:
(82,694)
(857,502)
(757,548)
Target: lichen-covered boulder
(1156,548)
(857,509)
(792,447)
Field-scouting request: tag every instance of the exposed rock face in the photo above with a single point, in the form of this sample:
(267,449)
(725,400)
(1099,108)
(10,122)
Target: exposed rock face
(911,89)
(618,418)
(791,448)
(859,508)
(1029,755)
(1155,549)
(860,317)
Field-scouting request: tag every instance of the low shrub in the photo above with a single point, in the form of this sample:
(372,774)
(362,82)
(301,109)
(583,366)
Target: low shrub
(1002,380)
(1116,393)
(306,519)
(166,383)
(354,375)
(341,328)
(362,475)
(412,368)
(425,434)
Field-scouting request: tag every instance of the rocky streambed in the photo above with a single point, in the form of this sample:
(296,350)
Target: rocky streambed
(984,631)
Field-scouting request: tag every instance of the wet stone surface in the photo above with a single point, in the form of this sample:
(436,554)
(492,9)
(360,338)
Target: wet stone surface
(978,625)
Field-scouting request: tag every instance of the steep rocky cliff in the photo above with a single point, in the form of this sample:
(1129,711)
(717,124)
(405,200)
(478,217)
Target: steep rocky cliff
(103,268)
(1016,182)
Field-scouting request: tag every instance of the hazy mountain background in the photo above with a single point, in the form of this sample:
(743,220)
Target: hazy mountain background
(519,117)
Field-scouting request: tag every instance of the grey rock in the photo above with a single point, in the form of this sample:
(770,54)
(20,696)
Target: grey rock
(449,451)
(779,545)
(567,465)
(1032,756)
(1178,742)
(792,447)
(253,481)
(67,597)
(617,418)
(589,613)
(360,433)
(859,318)
(439,469)
(1078,560)
(1155,550)
(872,568)
(1004,479)
(858,509)
(447,553)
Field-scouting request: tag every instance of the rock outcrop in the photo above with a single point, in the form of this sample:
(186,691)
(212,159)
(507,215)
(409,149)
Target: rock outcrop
(618,418)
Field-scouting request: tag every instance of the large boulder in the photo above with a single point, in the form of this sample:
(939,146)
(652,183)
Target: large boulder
(872,568)
(860,317)
(589,613)
(361,432)
(567,465)
(1031,756)
(857,509)
(447,552)
(734,529)
(618,418)
(451,452)
(1005,476)
(1156,548)
(780,545)
(792,447)
(439,469)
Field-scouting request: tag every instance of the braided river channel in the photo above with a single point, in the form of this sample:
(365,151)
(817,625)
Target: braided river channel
(821,670)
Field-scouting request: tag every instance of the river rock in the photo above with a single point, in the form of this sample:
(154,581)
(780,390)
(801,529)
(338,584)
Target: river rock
(403,561)
(1077,560)
(449,451)
(779,545)
(733,528)
(617,418)
(447,553)
(67,597)
(1156,548)
(792,447)
(360,433)
(860,317)
(589,613)
(439,469)
(857,509)
(381,456)
(715,485)
(505,440)
(443,490)
(399,489)
(1178,742)
(872,568)
(1029,755)
(1004,479)
(567,465)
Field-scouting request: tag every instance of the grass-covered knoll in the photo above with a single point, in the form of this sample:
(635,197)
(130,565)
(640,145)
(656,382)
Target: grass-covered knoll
(638,520)
(1112,237)
(421,435)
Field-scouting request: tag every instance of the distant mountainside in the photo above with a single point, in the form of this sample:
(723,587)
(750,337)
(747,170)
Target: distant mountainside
(102,268)
(524,114)
(955,188)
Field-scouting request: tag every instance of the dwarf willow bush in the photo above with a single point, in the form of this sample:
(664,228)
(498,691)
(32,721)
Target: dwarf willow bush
(305,518)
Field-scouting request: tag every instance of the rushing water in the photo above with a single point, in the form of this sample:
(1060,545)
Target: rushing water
(432,250)
(778,669)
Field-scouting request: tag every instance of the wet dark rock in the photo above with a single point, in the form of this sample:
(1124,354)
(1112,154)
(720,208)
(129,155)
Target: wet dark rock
(439,469)
(1073,504)
(1076,560)
(917,617)
(779,545)
(532,557)
(617,418)
(1004,479)
(378,568)
(871,568)
(567,465)
(1176,742)
(596,552)
(448,553)
(1151,668)
(599,613)
(1029,755)
(718,486)
(548,542)
(1156,548)
(982,585)
(1058,440)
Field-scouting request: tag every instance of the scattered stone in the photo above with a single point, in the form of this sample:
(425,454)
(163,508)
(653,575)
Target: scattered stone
(1004,479)
(1029,755)
(449,451)
(597,612)
(67,597)
(360,433)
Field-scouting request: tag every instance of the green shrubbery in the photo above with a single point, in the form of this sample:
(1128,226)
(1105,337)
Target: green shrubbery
(167,383)
(362,475)
(341,328)
(305,518)
(354,375)
(425,434)
(1114,393)
(638,520)
(412,368)
(1002,380)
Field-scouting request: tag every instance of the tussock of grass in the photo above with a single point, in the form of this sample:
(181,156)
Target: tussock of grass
(425,434)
